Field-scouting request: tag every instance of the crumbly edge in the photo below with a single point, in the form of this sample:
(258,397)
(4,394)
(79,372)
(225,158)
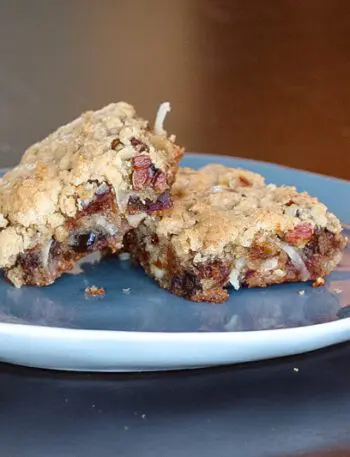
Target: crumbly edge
(98,227)
(58,176)
(258,266)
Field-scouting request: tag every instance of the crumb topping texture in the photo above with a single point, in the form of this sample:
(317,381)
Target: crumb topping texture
(216,208)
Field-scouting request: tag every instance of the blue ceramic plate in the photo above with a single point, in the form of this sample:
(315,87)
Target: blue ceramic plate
(138,326)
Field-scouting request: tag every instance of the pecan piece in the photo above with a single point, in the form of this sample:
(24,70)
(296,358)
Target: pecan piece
(244,182)
(141,162)
(135,205)
(138,145)
(146,174)
(159,181)
(300,235)
(115,143)
(140,178)
(163,202)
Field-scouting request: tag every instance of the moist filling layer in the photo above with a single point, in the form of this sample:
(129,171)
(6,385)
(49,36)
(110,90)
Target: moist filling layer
(272,262)
(98,226)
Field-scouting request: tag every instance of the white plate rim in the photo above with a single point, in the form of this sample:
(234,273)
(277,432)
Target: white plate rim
(90,334)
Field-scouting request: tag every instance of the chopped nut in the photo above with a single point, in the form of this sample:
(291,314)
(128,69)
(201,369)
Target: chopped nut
(145,174)
(93,291)
(138,145)
(141,162)
(140,179)
(319,282)
(300,235)
(163,202)
(159,181)
(115,143)
(244,182)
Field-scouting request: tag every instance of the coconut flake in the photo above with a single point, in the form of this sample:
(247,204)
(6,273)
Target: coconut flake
(217,189)
(269,264)
(45,251)
(122,198)
(235,273)
(234,279)
(163,109)
(296,259)
(135,219)
(157,272)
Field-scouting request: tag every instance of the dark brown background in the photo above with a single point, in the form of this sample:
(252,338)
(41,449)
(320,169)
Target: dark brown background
(261,79)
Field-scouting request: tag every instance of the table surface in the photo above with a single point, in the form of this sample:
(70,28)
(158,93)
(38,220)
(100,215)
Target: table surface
(260,79)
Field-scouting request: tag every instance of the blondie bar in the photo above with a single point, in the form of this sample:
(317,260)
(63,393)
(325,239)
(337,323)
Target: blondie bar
(81,189)
(226,227)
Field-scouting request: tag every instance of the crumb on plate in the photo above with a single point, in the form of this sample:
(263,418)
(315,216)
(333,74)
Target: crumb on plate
(319,282)
(296,369)
(126,291)
(337,290)
(301,292)
(93,291)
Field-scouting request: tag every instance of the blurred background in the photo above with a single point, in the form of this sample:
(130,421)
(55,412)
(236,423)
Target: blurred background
(261,79)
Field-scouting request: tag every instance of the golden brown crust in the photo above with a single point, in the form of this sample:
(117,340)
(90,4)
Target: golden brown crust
(58,176)
(212,210)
